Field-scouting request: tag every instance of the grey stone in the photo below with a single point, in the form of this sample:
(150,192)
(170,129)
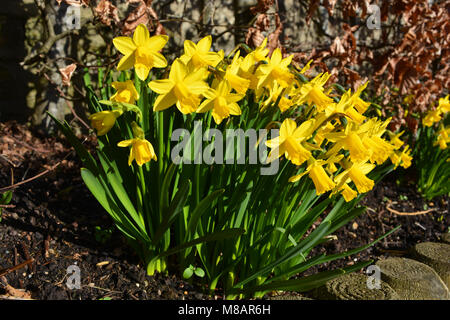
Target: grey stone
(412,280)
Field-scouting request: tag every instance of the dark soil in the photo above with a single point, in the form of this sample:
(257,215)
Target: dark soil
(55,220)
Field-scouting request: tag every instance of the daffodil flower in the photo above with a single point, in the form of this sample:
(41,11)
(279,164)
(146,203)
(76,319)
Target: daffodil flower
(289,142)
(284,103)
(199,54)
(318,175)
(126,92)
(379,148)
(401,158)
(443,138)
(141,51)
(359,103)
(141,149)
(444,104)
(356,173)
(103,121)
(394,139)
(221,102)
(276,70)
(247,70)
(432,117)
(181,88)
(261,52)
(237,82)
(351,140)
(345,106)
(312,93)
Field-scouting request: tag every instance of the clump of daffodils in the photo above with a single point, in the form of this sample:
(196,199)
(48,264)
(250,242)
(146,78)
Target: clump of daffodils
(435,116)
(324,134)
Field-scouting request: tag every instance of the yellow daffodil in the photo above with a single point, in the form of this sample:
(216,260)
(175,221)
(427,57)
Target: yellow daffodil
(247,68)
(322,132)
(394,139)
(284,102)
(401,158)
(357,173)
(261,52)
(359,103)
(237,82)
(443,138)
(318,175)
(351,140)
(182,88)
(312,93)
(103,121)
(141,149)
(346,107)
(444,104)
(141,51)
(199,55)
(379,148)
(126,92)
(221,102)
(432,117)
(276,70)
(348,193)
(289,142)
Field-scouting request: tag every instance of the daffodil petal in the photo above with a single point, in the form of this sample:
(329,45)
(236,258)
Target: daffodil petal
(177,71)
(142,71)
(125,45)
(157,42)
(204,44)
(234,109)
(197,87)
(161,86)
(125,143)
(287,127)
(127,62)
(159,61)
(189,48)
(164,101)
(140,35)
(206,106)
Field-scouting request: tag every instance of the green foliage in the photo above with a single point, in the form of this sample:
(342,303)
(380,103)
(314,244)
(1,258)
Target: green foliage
(432,164)
(5,199)
(246,232)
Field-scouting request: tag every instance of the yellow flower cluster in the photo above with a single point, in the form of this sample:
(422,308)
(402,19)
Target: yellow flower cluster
(338,144)
(436,115)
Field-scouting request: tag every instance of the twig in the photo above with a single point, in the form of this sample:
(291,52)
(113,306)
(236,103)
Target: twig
(416,213)
(61,93)
(14,186)
(19,266)
(7,160)
(7,205)
(26,145)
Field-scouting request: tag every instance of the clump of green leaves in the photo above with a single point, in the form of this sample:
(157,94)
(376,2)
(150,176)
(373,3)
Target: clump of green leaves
(5,199)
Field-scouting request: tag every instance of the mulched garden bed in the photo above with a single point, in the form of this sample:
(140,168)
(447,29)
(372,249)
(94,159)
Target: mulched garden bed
(55,221)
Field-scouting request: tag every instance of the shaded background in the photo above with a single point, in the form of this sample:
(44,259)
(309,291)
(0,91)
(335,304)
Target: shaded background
(406,58)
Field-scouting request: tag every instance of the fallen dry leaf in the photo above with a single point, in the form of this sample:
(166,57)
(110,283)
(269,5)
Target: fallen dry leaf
(66,74)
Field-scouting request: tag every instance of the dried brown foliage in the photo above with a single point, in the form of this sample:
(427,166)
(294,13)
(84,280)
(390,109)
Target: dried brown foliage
(66,73)
(145,14)
(410,60)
